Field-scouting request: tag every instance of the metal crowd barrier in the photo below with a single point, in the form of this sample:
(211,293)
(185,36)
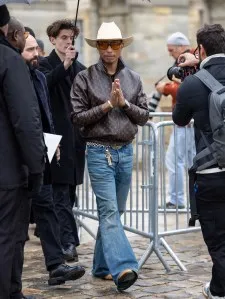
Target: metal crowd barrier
(146,213)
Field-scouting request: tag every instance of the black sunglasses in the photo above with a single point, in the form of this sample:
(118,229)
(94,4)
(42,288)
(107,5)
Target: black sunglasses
(196,52)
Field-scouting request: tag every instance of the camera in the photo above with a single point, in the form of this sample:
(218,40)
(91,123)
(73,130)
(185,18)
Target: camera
(180,72)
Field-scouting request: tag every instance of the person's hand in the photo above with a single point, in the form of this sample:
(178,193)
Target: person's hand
(57,153)
(70,55)
(121,99)
(35,181)
(174,79)
(187,59)
(160,87)
(114,96)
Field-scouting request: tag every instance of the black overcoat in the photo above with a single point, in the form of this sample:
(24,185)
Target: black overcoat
(22,148)
(70,170)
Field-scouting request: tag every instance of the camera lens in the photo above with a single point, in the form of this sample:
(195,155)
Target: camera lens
(175,71)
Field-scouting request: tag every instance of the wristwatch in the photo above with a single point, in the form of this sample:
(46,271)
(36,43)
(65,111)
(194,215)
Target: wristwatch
(127,104)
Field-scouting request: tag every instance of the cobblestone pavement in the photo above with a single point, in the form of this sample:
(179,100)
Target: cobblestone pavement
(153,280)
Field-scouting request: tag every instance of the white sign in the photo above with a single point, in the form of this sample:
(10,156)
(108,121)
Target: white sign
(52,142)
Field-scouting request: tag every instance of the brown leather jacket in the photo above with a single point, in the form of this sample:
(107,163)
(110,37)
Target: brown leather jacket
(91,89)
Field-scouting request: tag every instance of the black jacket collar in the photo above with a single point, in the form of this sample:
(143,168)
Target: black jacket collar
(54,58)
(214,61)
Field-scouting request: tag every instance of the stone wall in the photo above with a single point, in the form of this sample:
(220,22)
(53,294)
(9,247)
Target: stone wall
(150,24)
(205,12)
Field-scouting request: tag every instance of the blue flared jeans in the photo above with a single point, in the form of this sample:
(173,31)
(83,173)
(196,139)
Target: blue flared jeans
(111,183)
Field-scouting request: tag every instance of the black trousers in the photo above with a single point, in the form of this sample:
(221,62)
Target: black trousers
(14,222)
(48,226)
(62,202)
(210,197)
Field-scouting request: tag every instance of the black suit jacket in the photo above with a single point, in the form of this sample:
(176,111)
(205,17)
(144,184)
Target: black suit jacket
(21,138)
(192,101)
(72,146)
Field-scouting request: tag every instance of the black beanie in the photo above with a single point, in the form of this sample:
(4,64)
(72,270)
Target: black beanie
(4,15)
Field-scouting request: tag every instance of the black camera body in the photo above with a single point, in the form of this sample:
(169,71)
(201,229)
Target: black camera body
(180,72)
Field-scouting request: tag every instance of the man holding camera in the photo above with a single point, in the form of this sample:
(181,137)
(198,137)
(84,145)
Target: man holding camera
(193,102)
(182,143)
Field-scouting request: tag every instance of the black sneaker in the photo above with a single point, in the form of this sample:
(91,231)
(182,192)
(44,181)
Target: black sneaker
(126,279)
(170,205)
(70,253)
(64,273)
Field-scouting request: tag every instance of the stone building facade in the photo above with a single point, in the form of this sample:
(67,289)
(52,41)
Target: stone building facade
(205,12)
(150,24)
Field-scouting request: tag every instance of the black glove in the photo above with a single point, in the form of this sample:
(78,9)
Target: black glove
(35,181)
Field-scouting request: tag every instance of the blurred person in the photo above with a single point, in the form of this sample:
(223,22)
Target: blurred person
(177,43)
(60,69)
(41,47)
(22,154)
(193,102)
(42,204)
(31,31)
(108,104)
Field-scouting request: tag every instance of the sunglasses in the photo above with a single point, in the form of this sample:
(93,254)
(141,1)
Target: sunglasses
(115,44)
(196,53)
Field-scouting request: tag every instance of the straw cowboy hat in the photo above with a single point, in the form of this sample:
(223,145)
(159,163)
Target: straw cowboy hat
(109,31)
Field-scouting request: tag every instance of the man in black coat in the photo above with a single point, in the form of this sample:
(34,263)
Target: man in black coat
(22,153)
(60,68)
(192,102)
(43,207)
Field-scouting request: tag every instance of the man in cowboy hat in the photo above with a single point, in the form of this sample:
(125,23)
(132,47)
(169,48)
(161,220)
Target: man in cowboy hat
(108,104)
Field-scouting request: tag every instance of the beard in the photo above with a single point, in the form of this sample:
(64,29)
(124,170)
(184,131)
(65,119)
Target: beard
(34,63)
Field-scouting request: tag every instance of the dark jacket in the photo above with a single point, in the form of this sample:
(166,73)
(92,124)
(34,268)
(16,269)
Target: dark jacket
(41,89)
(192,101)
(72,146)
(22,146)
(92,88)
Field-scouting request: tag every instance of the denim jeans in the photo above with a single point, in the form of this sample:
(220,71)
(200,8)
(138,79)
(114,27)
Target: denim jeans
(111,184)
(176,164)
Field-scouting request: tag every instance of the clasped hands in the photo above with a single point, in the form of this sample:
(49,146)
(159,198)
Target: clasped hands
(116,96)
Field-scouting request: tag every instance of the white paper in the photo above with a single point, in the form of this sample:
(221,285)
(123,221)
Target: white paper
(52,142)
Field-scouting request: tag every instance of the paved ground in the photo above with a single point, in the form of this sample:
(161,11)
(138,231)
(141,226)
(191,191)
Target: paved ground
(153,281)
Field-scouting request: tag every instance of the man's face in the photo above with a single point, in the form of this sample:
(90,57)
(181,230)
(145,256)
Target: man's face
(110,51)
(175,51)
(30,52)
(63,40)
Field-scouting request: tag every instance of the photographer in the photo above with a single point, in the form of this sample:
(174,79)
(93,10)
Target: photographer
(193,102)
(177,44)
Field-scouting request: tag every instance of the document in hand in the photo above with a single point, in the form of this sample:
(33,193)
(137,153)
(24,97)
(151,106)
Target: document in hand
(51,141)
